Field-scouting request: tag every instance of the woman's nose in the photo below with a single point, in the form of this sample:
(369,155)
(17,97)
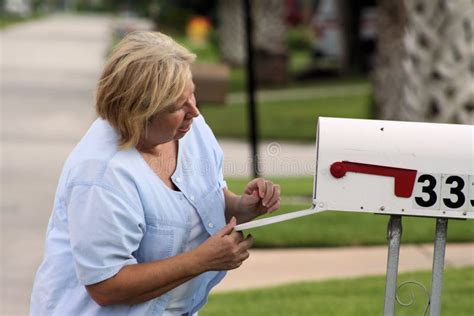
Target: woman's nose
(194,111)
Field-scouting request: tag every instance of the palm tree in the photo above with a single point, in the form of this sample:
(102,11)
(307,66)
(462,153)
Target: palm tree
(231,31)
(425,61)
(269,37)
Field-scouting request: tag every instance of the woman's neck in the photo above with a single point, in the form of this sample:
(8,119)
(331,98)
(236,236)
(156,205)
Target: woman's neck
(156,149)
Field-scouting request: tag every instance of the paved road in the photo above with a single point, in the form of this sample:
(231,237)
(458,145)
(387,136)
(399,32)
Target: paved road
(276,159)
(48,72)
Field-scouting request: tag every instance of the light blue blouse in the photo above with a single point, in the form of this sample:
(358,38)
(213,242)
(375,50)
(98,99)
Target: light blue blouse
(112,210)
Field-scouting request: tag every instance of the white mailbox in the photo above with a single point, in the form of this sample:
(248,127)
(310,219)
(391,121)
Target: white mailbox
(390,167)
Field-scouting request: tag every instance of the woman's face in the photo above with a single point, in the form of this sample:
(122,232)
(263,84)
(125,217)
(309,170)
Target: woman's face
(173,122)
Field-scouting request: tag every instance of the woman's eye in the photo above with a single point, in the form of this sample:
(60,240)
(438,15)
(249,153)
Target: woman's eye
(176,109)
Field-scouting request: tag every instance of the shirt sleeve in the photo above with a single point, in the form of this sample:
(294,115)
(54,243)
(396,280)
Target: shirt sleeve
(105,230)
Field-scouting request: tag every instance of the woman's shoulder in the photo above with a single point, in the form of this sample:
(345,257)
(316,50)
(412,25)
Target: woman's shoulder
(103,169)
(97,157)
(114,174)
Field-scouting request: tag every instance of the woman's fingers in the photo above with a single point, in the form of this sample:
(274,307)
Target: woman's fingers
(268,193)
(256,184)
(237,236)
(262,188)
(275,200)
(239,251)
(261,196)
(245,244)
(272,194)
(229,228)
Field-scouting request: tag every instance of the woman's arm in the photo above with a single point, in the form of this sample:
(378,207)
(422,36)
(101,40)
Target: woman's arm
(138,283)
(259,197)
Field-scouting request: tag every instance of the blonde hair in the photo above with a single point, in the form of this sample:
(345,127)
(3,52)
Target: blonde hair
(146,73)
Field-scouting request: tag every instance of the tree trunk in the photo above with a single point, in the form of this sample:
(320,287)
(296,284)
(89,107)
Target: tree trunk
(427,72)
(271,53)
(269,38)
(231,31)
(440,62)
(388,76)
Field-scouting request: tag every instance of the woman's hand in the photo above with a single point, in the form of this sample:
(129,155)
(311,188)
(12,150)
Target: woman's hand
(260,197)
(138,283)
(226,250)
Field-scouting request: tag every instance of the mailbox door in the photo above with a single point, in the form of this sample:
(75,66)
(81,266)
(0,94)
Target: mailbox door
(406,168)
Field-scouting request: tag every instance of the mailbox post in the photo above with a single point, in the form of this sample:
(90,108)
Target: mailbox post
(438,265)
(394,236)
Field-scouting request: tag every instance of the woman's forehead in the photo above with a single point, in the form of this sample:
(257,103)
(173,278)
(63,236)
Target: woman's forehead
(189,84)
(188,89)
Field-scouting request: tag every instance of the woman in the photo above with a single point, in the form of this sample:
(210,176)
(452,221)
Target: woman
(139,219)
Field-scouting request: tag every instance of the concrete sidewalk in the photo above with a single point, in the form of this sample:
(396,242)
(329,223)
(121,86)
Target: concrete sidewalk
(275,267)
(301,94)
(276,158)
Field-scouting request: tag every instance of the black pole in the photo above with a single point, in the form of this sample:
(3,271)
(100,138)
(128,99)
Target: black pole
(251,87)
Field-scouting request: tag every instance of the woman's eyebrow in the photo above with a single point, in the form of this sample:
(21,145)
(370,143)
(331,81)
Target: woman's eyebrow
(181,100)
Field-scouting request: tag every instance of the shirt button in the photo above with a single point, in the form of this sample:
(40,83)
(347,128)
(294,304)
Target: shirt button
(191,197)
(210,225)
(178,179)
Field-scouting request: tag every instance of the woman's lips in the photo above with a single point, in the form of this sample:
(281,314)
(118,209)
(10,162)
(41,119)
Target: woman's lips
(185,128)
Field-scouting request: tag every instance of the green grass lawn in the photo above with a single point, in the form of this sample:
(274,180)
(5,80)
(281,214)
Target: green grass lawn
(336,229)
(360,296)
(290,186)
(9,20)
(286,120)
